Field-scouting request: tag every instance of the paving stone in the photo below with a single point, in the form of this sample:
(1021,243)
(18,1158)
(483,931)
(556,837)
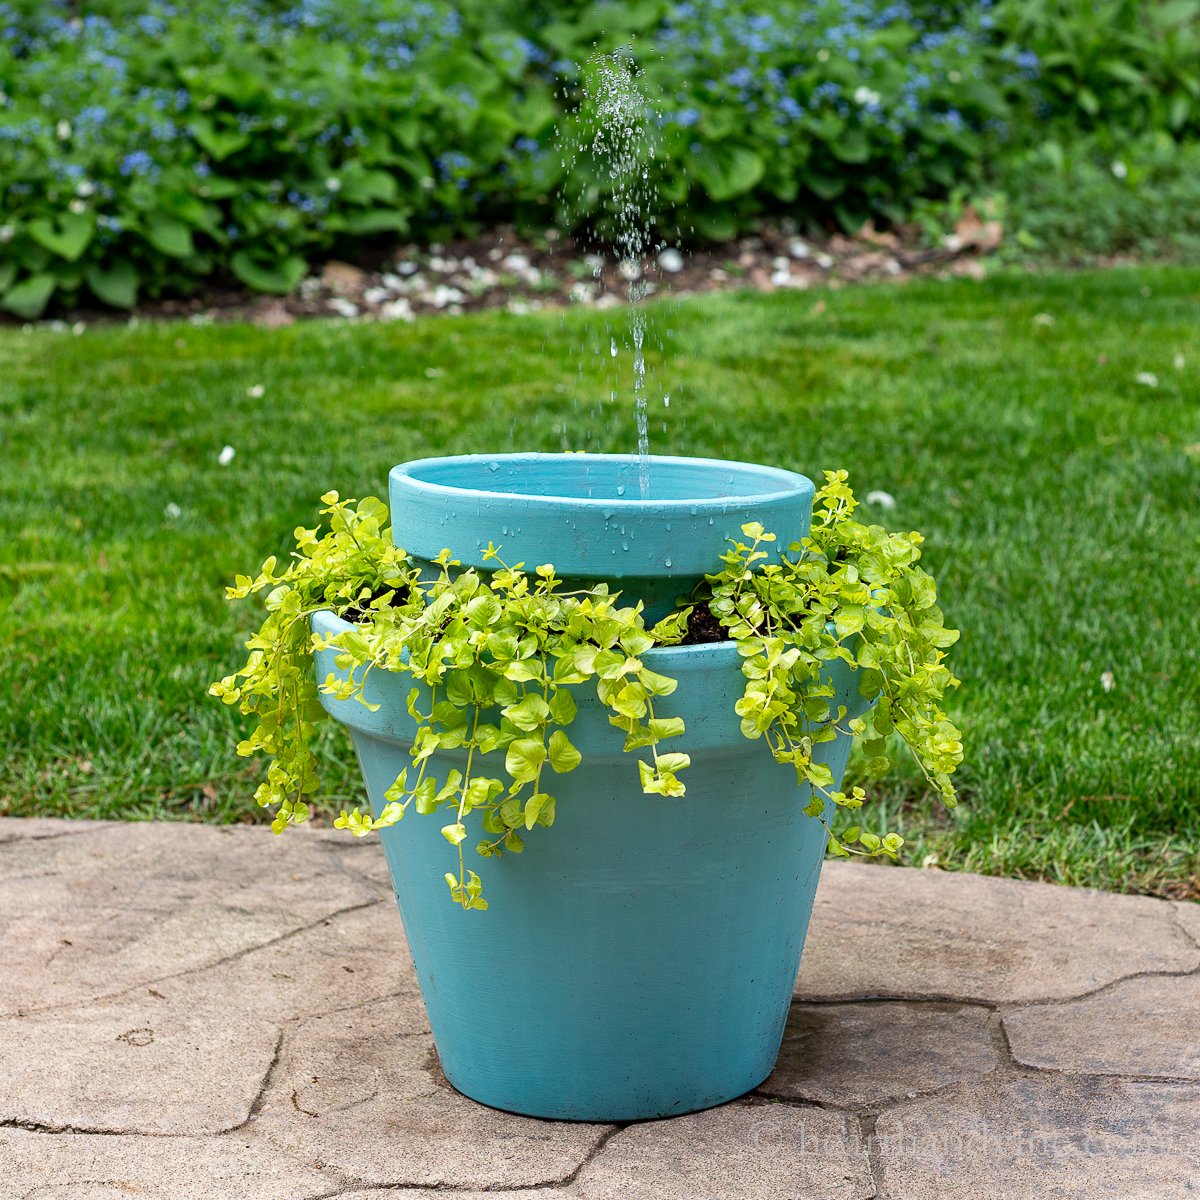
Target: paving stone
(426,1194)
(91,914)
(854,1055)
(34,828)
(1187,913)
(206,1039)
(897,931)
(1067,1137)
(1145,1026)
(733,1153)
(362,1091)
(43,1166)
(140,1065)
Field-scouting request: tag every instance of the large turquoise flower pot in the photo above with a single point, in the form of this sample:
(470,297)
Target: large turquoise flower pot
(637,960)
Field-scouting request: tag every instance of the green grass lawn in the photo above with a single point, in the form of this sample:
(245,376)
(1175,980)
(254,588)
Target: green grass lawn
(1059,496)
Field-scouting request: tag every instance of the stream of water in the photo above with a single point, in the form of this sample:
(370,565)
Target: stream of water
(616,112)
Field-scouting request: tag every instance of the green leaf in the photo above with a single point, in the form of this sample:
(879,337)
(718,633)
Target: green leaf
(524,758)
(219,143)
(423,796)
(280,278)
(666,727)
(71,237)
(118,286)
(8,272)
(673,762)
(529,714)
(727,171)
(377,220)
(454,833)
(562,707)
(657,685)
(170,236)
(30,297)
(363,187)
(563,756)
(539,810)
(852,146)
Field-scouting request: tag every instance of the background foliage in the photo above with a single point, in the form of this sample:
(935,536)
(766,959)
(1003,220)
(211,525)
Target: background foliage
(145,146)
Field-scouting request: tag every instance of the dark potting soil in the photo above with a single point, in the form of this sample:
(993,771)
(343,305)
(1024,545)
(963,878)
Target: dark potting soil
(357,615)
(703,627)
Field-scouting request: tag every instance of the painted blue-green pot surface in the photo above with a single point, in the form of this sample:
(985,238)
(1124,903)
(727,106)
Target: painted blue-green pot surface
(584,514)
(637,959)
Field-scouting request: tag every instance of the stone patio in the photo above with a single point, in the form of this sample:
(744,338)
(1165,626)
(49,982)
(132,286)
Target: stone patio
(190,1011)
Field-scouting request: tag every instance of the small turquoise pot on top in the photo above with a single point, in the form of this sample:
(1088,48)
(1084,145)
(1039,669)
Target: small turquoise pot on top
(637,960)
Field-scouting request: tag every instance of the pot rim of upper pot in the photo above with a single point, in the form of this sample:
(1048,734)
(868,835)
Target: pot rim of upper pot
(603,480)
(536,507)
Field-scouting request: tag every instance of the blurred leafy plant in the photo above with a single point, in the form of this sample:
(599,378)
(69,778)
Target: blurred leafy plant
(1124,66)
(145,147)
(495,660)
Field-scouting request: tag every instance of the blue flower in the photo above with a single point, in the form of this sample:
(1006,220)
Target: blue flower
(137,163)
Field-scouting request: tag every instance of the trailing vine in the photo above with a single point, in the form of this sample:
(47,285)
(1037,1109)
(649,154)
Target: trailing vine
(515,643)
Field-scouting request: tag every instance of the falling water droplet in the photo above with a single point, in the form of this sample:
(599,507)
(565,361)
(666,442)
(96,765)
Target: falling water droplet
(613,351)
(667,400)
(620,489)
(624,545)
(710,520)
(668,562)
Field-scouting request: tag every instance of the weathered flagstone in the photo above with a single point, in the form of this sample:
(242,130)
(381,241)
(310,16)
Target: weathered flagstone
(14,829)
(853,1055)
(1187,913)
(427,1194)
(46,1166)
(206,1038)
(181,980)
(901,932)
(96,912)
(363,1092)
(1049,1135)
(1144,1026)
(761,1152)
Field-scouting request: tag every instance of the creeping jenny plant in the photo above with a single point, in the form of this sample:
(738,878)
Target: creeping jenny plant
(511,645)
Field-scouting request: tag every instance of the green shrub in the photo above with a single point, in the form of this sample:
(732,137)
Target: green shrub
(1116,67)
(142,152)
(1082,202)
(145,147)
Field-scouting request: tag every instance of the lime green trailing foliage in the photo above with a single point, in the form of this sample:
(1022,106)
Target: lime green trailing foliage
(848,583)
(514,645)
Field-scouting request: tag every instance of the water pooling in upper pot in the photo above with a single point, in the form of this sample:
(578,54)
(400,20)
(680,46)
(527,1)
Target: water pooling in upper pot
(584,514)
